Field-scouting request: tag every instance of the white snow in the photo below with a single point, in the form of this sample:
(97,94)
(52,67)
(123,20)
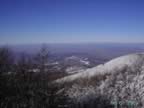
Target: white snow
(74,69)
(72,58)
(85,62)
(125,81)
(110,67)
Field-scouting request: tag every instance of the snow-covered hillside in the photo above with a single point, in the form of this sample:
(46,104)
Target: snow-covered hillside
(110,67)
(121,79)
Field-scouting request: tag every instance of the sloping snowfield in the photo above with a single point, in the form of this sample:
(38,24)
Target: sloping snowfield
(118,64)
(122,79)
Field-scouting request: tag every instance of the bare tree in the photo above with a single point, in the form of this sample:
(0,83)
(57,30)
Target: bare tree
(42,58)
(24,64)
(6,59)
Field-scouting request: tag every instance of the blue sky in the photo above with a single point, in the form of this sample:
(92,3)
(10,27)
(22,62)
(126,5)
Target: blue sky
(71,21)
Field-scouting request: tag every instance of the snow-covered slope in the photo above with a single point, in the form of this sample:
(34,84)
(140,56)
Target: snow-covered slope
(121,79)
(112,66)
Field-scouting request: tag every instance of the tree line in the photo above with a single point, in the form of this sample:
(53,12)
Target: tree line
(25,82)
